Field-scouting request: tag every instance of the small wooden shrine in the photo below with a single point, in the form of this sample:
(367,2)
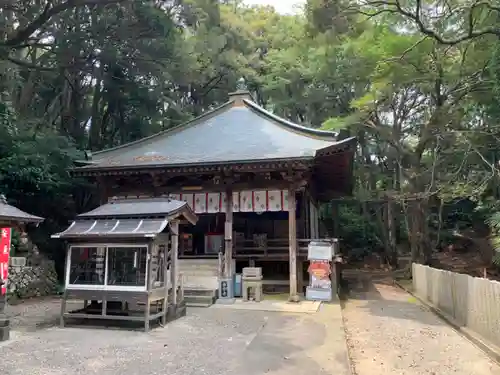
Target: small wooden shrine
(255,180)
(10,217)
(122,258)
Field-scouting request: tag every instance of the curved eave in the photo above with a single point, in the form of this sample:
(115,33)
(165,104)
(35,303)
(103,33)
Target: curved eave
(103,212)
(103,235)
(75,232)
(22,219)
(347,144)
(84,163)
(218,165)
(325,134)
(184,212)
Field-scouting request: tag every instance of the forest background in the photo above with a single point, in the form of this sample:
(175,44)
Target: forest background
(416,81)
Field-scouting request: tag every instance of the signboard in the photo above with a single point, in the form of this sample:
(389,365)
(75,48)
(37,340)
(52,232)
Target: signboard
(5,241)
(320,250)
(320,269)
(226,288)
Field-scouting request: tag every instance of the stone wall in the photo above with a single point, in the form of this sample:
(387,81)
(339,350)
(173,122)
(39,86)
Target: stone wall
(33,281)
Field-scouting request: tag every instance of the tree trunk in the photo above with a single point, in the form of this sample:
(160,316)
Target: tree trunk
(95,128)
(391,234)
(421,249)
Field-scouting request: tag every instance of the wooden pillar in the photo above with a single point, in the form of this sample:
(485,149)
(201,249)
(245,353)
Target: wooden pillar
(165,304)
(228,234)
(292,238)
(307,216)
(66,282)
(300,276)
(149,283)
(174,271)
(103,190)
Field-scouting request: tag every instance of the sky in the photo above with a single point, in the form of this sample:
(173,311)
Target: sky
(282,6)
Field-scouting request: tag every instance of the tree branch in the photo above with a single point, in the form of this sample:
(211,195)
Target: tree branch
(377,7)
(23,34)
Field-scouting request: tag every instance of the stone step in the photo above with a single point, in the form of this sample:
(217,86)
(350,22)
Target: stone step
(200,282)
(198,270)
(200,276)
(199,304)
(195,271)
(195,266)
(200,292)
(199,262)
(199,300)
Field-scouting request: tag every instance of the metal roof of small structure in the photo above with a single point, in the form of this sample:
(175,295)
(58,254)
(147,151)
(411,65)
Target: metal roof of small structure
(138,207)
(127,228)
(237,132)
(128,218)
(11,213)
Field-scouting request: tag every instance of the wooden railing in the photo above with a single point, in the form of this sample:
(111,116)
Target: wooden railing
(271,247)
(248,248)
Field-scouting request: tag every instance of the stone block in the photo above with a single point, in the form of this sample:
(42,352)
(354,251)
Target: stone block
(4,330)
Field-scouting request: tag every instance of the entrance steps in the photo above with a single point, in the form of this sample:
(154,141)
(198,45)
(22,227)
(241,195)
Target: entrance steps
(197,297)
(201,281)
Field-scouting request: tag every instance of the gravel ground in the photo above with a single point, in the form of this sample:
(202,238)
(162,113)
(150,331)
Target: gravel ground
(37,313)
(206,341)
(390,333)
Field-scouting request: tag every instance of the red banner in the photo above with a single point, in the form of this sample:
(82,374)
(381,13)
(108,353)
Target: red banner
(4,256)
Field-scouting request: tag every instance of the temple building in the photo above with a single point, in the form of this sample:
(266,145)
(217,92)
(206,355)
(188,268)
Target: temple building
(254,180)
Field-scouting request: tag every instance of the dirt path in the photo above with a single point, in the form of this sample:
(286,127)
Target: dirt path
(390,333)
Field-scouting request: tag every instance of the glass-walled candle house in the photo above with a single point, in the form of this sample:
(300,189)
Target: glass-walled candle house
(122,258)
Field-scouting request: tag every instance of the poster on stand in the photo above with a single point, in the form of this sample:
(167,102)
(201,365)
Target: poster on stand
(5,241)
(319,271)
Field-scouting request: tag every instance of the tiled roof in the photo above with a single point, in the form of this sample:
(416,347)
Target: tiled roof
(125,218)
(136,208)
(114,228)
(228,134)
(11,213)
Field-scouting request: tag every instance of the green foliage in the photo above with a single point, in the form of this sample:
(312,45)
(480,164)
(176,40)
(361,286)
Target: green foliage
(494,223)
(356,231)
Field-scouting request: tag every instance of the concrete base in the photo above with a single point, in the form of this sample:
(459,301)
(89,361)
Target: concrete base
(306,307)
(225,301)
(4,330)
(176,311)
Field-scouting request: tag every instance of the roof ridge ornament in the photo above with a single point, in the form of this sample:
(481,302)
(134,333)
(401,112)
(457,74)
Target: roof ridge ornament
(242,93)
(3,199)
(241,84)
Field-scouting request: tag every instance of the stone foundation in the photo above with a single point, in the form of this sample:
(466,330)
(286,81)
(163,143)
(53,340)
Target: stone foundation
(32,281)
